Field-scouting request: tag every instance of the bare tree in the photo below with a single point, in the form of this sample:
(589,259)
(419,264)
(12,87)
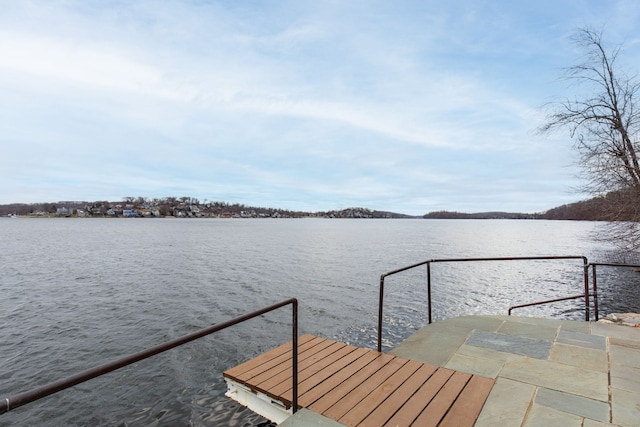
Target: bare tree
(604,123)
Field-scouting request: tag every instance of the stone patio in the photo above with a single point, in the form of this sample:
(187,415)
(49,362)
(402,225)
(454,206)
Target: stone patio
(549,372)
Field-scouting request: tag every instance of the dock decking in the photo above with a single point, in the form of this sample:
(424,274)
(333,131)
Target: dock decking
(360,387)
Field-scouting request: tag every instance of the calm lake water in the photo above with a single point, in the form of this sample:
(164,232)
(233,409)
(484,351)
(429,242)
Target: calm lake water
(76,293)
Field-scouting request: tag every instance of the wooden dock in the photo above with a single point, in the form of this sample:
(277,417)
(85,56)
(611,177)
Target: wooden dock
(359,387)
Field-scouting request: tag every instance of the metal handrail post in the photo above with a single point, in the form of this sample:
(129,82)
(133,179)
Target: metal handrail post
(586,288)
(21,399)
(380,304)
(294,355)
(429,289)
(595,292)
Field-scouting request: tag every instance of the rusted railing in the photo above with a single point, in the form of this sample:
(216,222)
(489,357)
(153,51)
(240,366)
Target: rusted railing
(428,263)
(21,399)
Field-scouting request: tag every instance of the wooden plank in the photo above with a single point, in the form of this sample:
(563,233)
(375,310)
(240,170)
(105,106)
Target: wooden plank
(284,389)
(362,409)
(320,371)
(441,403)
(337,411)
(323,404)
(303,363)
(420,399)
(467,407)
(283,368)
(361,358)
(316,373)
(387,409)
(247,369)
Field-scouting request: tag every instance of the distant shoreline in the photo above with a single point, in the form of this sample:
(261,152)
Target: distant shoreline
(282,217)
(171,207)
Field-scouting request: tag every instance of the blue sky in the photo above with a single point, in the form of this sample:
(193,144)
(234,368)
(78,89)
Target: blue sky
(405,106)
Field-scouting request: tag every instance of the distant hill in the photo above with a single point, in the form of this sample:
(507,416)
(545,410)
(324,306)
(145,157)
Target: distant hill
(480,215)
(621,205)
(586,210)
(594,209)
(362,213)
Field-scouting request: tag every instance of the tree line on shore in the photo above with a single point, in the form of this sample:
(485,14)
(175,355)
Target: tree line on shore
(184,207)
(595,209)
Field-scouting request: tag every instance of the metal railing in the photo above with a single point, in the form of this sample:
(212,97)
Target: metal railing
(21,399)
(594,282)
(428,263)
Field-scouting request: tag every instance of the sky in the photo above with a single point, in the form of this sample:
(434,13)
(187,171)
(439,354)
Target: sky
(402,106)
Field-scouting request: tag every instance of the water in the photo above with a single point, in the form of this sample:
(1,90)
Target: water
(75,293)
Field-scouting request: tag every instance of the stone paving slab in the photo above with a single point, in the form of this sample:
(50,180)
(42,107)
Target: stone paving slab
(625,378)
(573,404)
(553,323)
(487,353)
(474,365)
(434,345)
(484,323)
(572,325)
(625,407)
(510,343)
(556,376)
(626,356)
(507,404)
(542,416)
(625,343)
(479,361)
(529,330)
(615,331)
(582,340)
(582,357)
(593,423)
